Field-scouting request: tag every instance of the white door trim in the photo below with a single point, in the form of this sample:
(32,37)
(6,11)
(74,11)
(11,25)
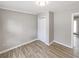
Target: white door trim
(72,30)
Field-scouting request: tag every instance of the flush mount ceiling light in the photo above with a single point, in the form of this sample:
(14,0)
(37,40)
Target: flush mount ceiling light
(42,2)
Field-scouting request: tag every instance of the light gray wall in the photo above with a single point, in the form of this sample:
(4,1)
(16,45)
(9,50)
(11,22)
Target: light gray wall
(62,27)
(51,27)
(16,28)
(77,25)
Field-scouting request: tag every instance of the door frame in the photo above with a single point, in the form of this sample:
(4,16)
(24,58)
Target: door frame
(72,30)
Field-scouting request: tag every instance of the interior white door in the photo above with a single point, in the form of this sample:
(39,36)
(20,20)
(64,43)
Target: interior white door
(42,29)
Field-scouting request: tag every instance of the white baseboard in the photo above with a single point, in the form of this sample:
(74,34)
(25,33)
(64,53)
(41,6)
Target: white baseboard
(51,43)
(62,44)
(46,43)
(18,46)
(43,42)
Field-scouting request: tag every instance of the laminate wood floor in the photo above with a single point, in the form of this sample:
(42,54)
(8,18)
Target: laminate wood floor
(38,49)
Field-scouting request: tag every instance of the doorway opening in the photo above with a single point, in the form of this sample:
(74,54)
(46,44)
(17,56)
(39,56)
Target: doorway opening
(75,34)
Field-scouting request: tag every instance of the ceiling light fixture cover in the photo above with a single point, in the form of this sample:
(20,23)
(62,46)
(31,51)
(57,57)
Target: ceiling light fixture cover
(42,2)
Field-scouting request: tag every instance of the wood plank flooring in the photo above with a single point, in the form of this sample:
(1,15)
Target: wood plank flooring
(38,49)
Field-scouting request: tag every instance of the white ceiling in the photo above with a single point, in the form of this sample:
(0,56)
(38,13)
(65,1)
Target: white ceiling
(32,8)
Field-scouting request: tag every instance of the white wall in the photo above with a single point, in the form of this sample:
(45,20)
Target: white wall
(62,28)
(16,28)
